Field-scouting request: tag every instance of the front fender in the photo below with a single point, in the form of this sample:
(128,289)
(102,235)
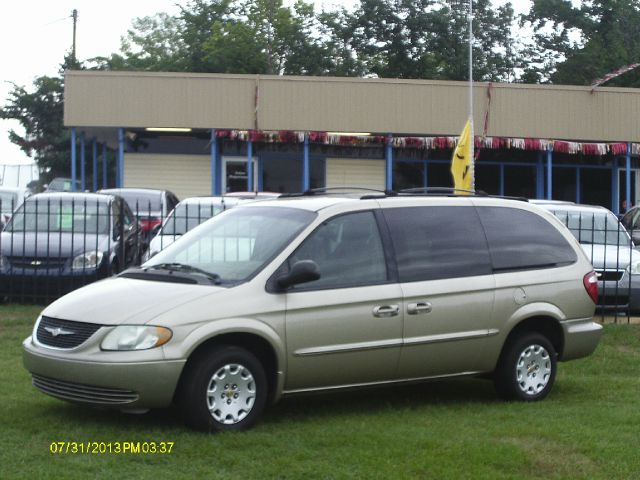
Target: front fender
(210,330)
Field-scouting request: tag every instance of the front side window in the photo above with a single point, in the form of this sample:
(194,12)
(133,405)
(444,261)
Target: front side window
(437,242)
(236,245)
(60,216)
(348,251)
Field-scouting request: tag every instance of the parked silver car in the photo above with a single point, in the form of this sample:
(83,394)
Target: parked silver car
(189,213)
(609,248)
(316,293)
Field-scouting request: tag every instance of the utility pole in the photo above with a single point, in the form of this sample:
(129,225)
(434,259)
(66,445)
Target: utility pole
(74,15)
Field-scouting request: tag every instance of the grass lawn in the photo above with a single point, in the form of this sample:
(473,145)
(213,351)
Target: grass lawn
(588,428)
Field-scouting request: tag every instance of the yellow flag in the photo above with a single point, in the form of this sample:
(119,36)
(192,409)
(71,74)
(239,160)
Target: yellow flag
(461,163)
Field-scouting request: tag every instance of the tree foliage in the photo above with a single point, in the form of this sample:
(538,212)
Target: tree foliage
(384,38)
(40,112)
(578,44)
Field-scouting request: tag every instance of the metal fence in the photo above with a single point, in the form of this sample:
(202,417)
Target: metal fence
(52,245)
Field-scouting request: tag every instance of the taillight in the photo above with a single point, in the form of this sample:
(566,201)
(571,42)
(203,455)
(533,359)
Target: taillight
(590,281)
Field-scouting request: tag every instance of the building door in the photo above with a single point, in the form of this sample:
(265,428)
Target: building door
(234,174)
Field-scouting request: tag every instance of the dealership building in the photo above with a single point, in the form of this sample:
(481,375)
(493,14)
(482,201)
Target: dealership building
(206,134)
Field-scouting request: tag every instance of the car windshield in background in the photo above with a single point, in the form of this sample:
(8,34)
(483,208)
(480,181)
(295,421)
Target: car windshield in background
(238,244)
(187,216)
(61,217)
(142,202)
(8,202)
(594,228)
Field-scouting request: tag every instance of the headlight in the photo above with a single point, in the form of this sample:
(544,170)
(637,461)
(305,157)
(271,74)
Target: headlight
(3,261)
(87,260)
(634,268)
(132,337)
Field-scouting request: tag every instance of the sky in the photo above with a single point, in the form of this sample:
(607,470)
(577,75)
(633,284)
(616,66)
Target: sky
(36,34)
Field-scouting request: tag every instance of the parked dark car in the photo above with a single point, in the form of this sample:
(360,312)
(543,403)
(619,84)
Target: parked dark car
(56,242)
(149,205)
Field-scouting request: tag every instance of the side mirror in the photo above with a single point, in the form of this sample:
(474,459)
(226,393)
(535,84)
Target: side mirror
(302,271)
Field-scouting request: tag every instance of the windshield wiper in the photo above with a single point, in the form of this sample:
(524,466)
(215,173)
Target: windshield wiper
(182,267)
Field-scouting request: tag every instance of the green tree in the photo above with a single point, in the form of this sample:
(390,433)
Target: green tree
(429,39)
(40,112)
(153,43)
(578,44)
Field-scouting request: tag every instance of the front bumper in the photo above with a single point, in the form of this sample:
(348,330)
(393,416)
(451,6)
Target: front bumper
(581,337)
(145,384)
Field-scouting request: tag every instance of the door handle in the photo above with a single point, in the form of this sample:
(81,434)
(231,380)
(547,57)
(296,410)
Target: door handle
(386,311)
(418,308)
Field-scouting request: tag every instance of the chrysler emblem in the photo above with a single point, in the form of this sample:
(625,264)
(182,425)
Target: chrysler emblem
(58,331)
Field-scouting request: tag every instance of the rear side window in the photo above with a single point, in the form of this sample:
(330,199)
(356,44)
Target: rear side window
(520,240)
(431,243)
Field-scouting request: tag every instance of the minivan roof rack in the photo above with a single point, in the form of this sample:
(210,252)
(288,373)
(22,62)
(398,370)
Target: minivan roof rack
(341,191)
(442,191)
(372,193)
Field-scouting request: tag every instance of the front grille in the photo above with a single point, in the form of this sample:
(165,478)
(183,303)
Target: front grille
(58,333)
(37,262)
(610,275)
(76,392)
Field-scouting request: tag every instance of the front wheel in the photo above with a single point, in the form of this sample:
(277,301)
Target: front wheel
(224,389)
(527,368)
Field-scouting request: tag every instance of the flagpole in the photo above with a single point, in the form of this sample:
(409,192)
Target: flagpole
(473,166)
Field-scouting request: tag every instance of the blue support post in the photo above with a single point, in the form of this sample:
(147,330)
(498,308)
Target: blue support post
(306,177)
(615,192)
(628,177)
(74,174)
(120,167)
(104,165)
(425,174)
(578,186)
(214,163)
(95,163)
(83,164)
(260,173)
(549,173)
(502,179)
(389,162)
(539,177)
(250,166)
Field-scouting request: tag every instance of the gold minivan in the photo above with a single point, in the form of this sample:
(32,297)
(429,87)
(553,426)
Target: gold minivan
(322,292)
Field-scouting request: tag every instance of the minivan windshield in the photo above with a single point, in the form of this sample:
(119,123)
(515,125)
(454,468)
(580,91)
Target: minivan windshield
(236,244)
(594,227)
(187,216)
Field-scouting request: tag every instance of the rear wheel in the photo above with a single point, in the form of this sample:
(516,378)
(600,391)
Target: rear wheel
(224,389)
(527,368)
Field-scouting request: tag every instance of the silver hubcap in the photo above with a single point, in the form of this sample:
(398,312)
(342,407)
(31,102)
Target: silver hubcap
(231,393)
(533,369)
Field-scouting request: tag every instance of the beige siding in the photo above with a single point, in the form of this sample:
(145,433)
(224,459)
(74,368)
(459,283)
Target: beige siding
(348,172)
(95,100)
(184,175)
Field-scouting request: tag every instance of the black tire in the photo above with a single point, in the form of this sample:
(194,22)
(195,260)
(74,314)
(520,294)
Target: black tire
(527,368)
(239,400)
